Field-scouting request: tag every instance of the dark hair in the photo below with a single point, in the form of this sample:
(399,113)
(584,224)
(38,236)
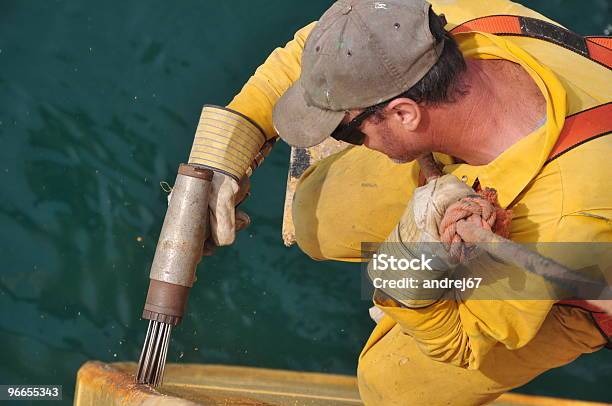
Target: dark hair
(442,83)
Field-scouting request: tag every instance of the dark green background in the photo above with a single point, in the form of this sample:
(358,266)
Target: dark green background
(98,102)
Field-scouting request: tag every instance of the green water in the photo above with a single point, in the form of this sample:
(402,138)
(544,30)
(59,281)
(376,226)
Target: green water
(98,103)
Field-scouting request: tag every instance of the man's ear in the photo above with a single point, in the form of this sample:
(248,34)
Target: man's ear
(406,111)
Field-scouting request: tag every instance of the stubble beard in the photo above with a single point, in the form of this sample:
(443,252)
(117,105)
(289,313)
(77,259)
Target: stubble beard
(400,161)
(397,154)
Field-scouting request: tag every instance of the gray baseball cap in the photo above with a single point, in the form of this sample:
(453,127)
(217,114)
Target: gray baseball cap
(360,53)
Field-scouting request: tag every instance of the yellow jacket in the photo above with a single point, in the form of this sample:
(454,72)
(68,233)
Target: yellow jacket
(568,200)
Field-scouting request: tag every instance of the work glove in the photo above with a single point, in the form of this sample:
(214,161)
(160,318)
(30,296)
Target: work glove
(417,236)
(224,218)
(223,214)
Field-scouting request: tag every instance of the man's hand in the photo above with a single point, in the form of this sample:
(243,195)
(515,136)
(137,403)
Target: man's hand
(417,234)
(429,205)
(222,206)
(225,220)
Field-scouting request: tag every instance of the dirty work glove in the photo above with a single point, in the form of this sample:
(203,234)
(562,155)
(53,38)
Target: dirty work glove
(222,209)
(417,237)
(225,220)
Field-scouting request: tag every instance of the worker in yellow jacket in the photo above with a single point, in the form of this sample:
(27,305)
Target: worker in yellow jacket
(397,80)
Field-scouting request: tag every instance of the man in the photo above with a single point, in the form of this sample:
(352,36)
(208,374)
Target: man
(387,75)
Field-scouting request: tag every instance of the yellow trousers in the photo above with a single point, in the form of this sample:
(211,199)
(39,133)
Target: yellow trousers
(358,195)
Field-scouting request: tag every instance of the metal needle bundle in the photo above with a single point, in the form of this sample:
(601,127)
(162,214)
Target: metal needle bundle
(154,351)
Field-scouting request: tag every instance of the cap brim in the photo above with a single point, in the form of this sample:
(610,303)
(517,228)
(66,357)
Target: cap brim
(300,124)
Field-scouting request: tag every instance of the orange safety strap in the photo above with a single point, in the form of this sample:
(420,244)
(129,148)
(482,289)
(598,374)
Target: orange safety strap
(582,127)
(597,49)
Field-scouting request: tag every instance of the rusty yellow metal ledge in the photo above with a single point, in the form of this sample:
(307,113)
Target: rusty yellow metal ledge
(103,384)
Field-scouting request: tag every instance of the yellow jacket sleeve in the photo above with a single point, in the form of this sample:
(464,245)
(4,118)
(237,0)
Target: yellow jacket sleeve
(258,96)
(233,140)
(461,331)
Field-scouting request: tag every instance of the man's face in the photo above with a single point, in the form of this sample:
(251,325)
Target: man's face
(385,133)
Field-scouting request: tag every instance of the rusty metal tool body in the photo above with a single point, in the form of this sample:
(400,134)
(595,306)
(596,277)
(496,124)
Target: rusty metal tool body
(177,255)
(181,245)
(518,255)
